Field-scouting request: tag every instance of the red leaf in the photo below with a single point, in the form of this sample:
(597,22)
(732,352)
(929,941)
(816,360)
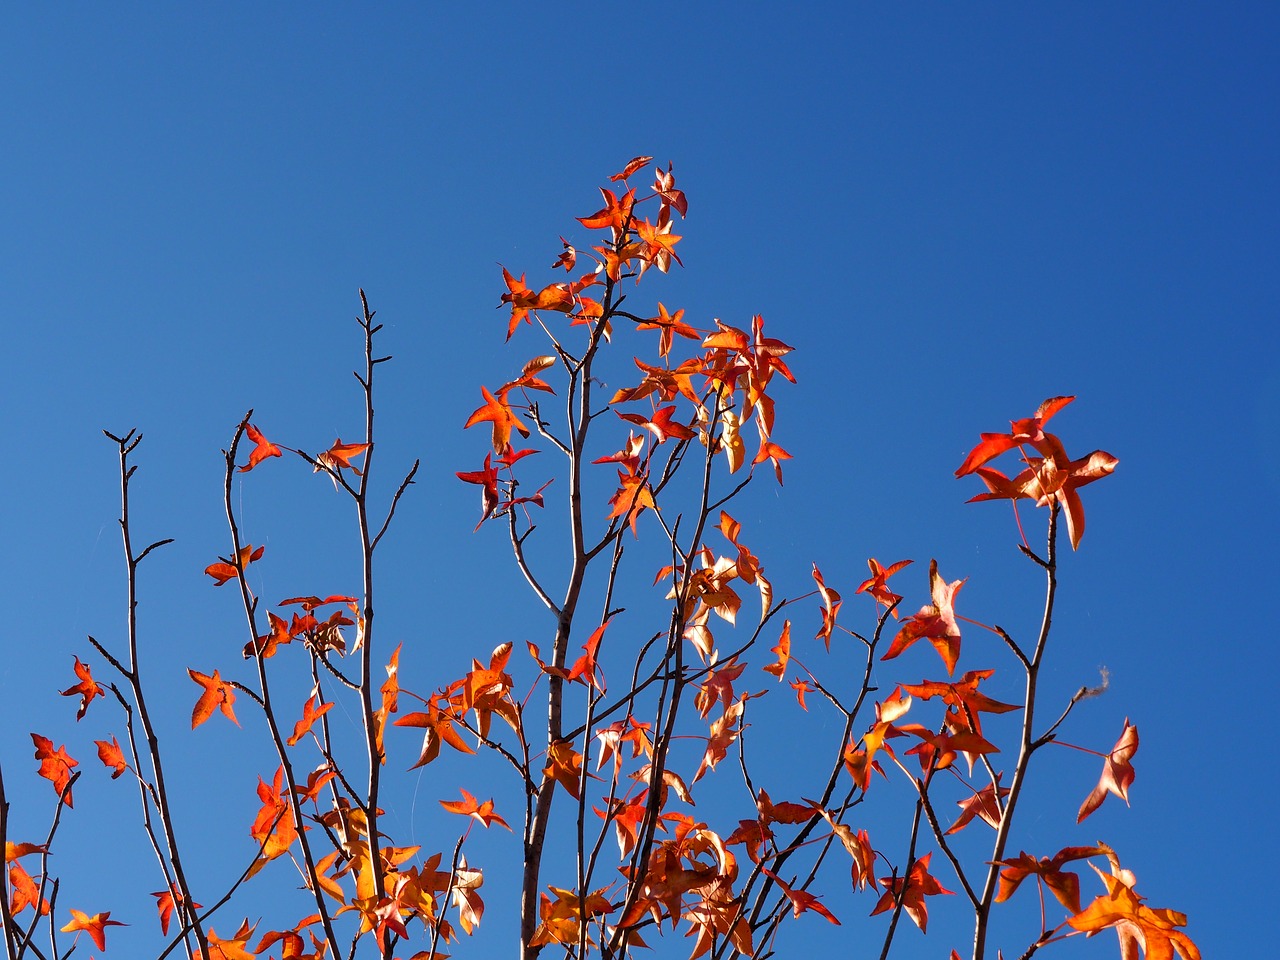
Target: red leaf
(55,765)
(1117,772)
(264,449)
(112,756)
(86,689)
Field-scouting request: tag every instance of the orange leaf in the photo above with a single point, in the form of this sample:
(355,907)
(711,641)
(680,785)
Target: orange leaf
(983,805)
(468,806)
(498,412)
(112,756)
(55,765)
(95,926)
(830,607)
(801,687)
(631,499)
(912,890)
(439,726)
(232,948)
(166,903)
(801,900)
(616,213)
(1028,431)
(1051,479)
(565,766)
(1117,772)
(1064,884)
(634,164)
(24,891)
(783,650)
(86,689)
(225,570)
(218,694)
(878,585)
(936,622)
(1137,925)
(566,259)
(264,449)
(310,714)
(771,451)
(338,457)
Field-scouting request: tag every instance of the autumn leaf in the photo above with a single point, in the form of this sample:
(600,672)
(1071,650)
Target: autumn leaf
(801,900)
(616,734)
(497,412)
(912,890)
(312,603)
(439,725)
(724,732)
(877,584)
(274,826)
(1048,480)
(564,766)
(266,645)
(1029,431)
(634,164)
(561,919)
(468,806)
(668,325)
(1137,925)
(55,765)
(936,622)
(218,694)
(312,711)
(390,693)
(585,670)
(86,689)
(664,185)
(232,948)
(166,902)
(16,851)
(631,499)
(465,896)
(783,650)
(801,687)
(316,779)
(1117,772)
(858,846)
(112,756)
(830,607)
(937,751)
(264,449)
(717,686)
(1063,884)
(24,892)
(568,257)
(225,570)
(657,244)
(965,703)
(615,214)
(860,761)
(488,481)
(338,457)
(983,805)
(735,450)
(660,424)
(775,454)
(95,926)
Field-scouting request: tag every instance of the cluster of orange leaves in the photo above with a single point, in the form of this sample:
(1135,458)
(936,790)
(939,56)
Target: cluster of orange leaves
(690,873)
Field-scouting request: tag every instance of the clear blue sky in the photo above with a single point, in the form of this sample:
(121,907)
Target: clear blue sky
(951,214)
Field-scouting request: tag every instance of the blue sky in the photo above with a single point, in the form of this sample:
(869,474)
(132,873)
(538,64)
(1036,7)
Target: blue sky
(951,214)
